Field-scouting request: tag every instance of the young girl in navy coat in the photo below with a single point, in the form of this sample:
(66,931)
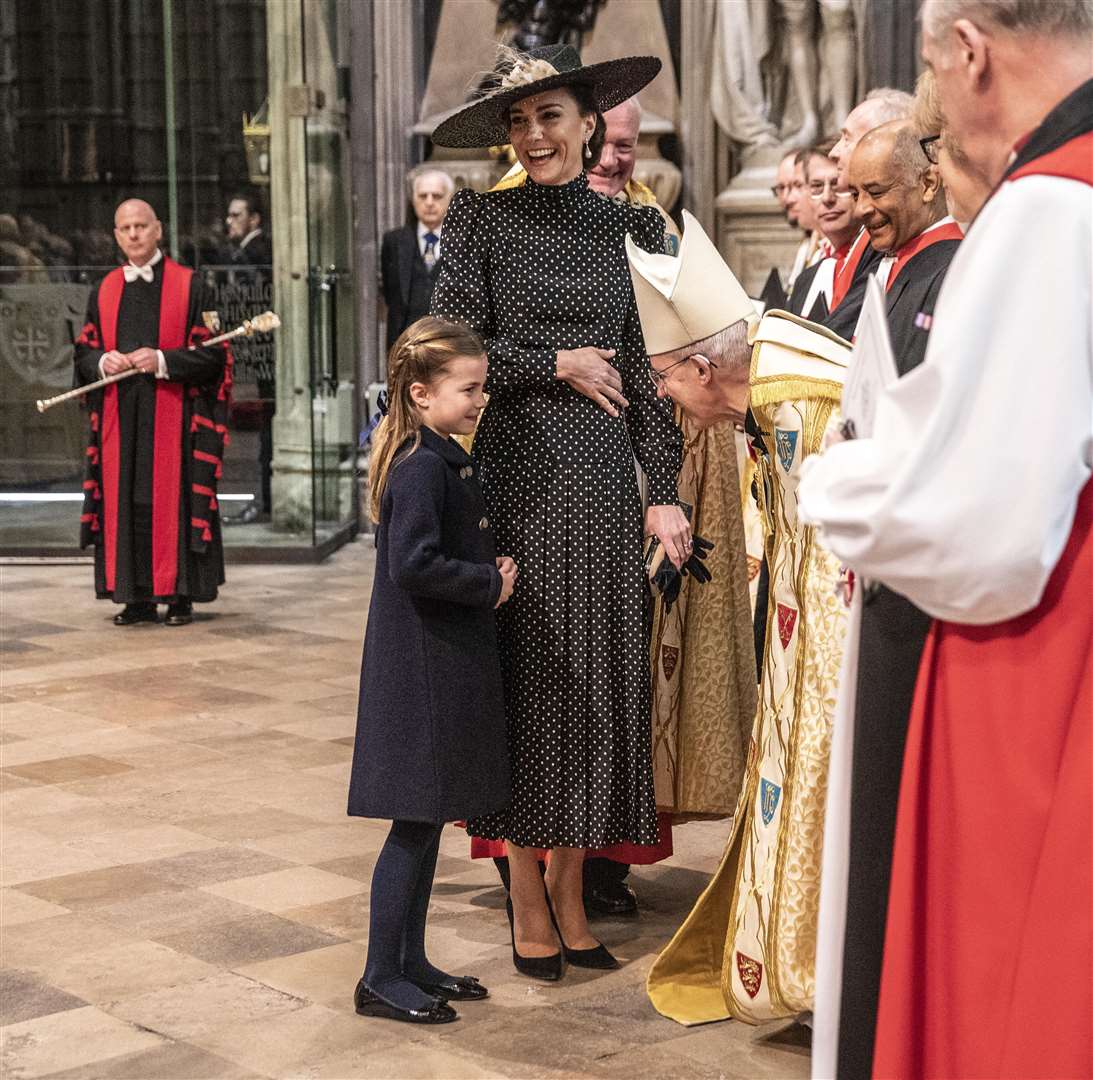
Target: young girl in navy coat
(431,723)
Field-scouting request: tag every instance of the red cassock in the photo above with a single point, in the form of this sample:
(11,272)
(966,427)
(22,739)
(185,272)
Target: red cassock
(988,967)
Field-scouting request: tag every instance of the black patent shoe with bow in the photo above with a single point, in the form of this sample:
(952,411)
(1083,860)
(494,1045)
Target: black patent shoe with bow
(369,1003)
(454,988)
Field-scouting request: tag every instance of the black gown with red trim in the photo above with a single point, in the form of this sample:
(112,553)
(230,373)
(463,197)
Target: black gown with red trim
(892,637)
(156,445)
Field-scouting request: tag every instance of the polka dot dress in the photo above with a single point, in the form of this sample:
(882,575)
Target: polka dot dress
(536,269)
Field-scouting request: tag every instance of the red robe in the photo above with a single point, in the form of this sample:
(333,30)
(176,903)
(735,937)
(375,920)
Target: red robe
(988,967)
(189,436)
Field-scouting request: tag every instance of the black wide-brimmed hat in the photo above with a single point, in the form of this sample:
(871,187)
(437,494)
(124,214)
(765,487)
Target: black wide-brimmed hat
(483,122)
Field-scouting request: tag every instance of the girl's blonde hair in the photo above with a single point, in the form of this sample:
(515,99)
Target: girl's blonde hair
(422,352)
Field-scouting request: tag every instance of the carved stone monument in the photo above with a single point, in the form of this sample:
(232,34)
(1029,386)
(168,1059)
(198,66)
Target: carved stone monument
(784,73)
(466,38)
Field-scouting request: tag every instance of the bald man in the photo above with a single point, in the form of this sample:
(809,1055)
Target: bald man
(157,436)
(880,106)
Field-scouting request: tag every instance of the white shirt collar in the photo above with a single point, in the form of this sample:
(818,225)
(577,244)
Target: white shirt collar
(158,257)
(423,229)
(249,237)
(146,272)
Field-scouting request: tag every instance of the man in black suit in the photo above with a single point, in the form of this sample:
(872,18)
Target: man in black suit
(410,256)
(250,252)
(248,242)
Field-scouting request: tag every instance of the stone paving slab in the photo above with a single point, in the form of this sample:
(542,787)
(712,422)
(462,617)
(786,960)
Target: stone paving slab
(184,897)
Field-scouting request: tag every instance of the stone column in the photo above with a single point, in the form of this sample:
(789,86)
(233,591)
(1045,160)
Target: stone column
(697,128)
(292,451)
(891,42)
(396,56)
(362,148)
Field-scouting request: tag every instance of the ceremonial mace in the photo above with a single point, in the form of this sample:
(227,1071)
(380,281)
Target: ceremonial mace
(260,324)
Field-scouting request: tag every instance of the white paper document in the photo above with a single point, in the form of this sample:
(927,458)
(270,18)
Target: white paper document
(872,364)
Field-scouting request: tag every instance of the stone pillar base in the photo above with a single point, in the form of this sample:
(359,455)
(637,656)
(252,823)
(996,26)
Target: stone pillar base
(752,230)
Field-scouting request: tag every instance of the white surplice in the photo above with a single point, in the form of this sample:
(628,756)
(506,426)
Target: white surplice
(964,499)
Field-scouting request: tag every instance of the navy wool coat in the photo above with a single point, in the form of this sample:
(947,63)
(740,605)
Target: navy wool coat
(431,738)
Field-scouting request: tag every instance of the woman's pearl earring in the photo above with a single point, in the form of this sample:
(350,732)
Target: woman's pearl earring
(587,151)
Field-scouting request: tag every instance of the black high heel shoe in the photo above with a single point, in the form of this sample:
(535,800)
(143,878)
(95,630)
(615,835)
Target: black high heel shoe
(547,968)
(368,1003)
(597,957)
(454,988)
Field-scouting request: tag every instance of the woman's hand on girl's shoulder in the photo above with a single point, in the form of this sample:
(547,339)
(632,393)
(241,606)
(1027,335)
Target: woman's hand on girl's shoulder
(508,571)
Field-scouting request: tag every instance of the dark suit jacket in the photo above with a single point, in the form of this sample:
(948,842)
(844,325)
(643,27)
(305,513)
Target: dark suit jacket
(259,252)
(800,289)
(915,293)
(396,265)
(844,318)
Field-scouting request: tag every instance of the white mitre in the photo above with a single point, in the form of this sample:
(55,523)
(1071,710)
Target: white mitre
(687,297)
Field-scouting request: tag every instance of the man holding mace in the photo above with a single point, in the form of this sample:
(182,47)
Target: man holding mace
(157,439)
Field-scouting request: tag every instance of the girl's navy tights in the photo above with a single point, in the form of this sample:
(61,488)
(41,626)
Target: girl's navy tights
(401,885)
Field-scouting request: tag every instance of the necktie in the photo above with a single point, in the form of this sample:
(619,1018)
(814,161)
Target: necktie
(131,272)
(431,240)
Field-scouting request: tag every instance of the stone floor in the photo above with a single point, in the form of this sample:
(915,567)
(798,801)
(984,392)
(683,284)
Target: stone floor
(183,895)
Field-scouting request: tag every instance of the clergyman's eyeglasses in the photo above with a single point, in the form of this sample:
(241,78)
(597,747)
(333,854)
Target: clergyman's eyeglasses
(659,377)
(817,190)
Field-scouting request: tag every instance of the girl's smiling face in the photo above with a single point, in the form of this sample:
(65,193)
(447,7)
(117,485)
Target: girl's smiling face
(548,134)
(451,403)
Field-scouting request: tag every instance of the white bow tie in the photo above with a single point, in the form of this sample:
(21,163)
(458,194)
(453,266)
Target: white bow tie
(132,272)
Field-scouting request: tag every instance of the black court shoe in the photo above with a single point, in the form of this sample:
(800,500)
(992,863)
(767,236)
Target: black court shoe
(547,968)
(597,957)
(136,613)
(368,1003)
(454,988)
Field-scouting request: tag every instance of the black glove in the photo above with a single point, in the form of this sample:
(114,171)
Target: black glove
(668,580)
(695,564)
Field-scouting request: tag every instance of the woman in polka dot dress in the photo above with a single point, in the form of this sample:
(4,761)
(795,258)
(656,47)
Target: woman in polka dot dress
(540,272)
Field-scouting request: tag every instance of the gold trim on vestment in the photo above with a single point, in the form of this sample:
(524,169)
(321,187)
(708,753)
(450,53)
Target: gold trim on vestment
(748,947)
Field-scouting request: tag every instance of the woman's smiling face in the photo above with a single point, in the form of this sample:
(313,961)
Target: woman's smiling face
(548,134)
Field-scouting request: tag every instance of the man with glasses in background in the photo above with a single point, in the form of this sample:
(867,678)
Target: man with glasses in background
(800,211)
(833,209)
